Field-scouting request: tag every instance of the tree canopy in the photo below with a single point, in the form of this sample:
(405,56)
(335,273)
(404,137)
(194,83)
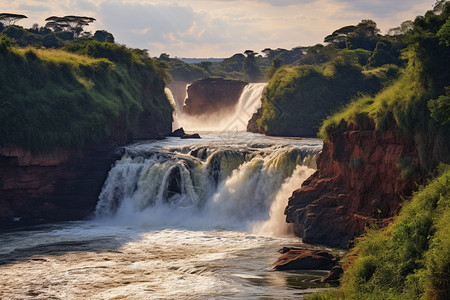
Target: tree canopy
(8,19)
(73,24)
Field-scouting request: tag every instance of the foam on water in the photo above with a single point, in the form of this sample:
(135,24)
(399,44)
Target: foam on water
(147,242)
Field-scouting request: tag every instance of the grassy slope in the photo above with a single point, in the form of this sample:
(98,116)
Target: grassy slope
(302,96)
(54,98)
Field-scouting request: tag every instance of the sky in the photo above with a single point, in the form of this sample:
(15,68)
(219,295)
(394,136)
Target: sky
(220,28)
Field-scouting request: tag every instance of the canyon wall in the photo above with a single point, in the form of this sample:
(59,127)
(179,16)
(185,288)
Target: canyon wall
(64,184)
(361,178)
(212,96)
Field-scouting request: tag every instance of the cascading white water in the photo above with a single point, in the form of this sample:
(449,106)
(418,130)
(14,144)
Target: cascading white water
(176,219)
(276,224)
(216,184)
(249,102)
(176,111)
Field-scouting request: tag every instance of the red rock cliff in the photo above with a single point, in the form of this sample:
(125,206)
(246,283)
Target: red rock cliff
(358,182)
(212,95)
(55,186)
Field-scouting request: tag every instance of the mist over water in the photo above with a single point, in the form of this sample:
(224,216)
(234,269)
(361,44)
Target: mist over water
(249,102)
(176,219)
(215,183)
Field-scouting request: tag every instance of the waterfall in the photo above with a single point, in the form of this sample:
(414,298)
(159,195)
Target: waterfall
(204,184)
(248,103)
(176,111)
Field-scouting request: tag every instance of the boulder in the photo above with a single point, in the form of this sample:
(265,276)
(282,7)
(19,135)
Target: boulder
(212,96)
(191,136)
(334,275)
(305,259)
(178,132)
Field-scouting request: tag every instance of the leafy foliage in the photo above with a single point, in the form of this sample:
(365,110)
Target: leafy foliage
(300,97)
(410,259)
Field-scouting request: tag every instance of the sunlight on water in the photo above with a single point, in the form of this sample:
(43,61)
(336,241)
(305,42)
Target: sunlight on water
(176,219)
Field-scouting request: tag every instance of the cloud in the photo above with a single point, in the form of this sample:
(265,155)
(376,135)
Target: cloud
(220,28)
(384,8)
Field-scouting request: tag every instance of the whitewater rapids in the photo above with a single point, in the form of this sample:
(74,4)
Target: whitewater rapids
(176,219)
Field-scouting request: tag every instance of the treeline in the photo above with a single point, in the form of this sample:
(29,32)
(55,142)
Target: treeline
(78,92)
(249,66)
(355,60)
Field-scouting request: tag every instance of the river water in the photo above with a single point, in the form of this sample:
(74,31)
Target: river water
(176,219)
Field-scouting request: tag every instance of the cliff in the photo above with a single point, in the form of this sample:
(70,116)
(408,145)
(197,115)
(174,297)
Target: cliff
(298,98)
(212,95)
(59,129)
(361,179)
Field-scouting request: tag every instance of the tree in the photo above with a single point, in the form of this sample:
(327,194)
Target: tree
(73,24)
(249,66)
(103,36)
(340,37)
(8,19)
(164,57)
(206,65)
(403,29)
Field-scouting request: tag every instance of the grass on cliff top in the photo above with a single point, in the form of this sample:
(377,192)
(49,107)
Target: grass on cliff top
(393,103)
(60,56)
(54,98)
(408,260)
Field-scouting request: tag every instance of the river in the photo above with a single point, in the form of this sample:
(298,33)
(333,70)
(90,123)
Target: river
(176,219)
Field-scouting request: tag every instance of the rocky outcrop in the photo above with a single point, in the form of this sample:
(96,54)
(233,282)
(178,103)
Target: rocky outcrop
(252,126)
(362,175)
(56,186)
(305,259)
(334,276)
(212,95)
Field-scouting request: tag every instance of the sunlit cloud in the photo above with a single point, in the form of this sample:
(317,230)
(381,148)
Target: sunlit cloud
(220,28)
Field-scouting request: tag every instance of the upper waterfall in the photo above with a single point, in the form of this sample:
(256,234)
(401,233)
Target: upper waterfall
(234,119)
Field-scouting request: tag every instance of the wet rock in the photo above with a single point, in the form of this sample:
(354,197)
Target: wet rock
(178,132)
(191,136)
(305,259)
(212,95)
(334,275)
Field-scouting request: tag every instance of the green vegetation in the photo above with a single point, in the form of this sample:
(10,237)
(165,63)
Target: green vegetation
(299,97)
(251,67)
(86,92)
(408,260)
(411,258)
(418,102)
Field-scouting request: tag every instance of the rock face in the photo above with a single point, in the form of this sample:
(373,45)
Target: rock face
(305,259)
(358,181)
(56,186)
(252,126)
(212,95)
(63,184)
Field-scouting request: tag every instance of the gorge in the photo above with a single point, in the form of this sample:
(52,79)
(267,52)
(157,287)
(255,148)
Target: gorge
(133,177)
